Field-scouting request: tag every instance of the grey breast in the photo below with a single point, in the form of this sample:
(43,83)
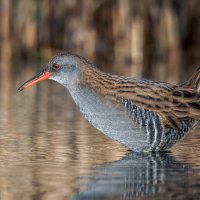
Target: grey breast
(124,123)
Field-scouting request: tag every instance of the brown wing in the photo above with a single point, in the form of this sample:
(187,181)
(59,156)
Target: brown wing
(186,103)
(169,102)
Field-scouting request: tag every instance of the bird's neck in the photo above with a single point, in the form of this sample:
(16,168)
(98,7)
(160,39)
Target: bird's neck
(98,81)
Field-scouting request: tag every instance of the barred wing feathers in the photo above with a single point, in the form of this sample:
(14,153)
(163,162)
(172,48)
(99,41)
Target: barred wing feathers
(170,103)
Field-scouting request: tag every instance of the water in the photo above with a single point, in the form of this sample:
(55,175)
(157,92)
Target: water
(48,151)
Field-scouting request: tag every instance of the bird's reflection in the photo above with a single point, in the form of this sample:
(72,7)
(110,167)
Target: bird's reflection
(135,175)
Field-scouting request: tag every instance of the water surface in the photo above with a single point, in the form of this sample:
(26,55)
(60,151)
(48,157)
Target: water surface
(48,151)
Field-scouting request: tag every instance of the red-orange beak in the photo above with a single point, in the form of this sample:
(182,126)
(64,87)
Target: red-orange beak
(37,78)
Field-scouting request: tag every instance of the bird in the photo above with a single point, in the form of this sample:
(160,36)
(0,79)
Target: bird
(143,115)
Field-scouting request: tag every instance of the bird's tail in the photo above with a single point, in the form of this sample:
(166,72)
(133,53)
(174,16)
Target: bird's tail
(193,82)
(187,98)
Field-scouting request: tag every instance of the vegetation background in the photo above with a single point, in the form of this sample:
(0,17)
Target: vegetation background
(157,39)
(45,144)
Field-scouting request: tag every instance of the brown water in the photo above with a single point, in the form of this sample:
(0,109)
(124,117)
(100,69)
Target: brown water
(48,151)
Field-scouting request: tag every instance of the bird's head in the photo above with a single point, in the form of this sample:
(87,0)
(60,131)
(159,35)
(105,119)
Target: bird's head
(63,68)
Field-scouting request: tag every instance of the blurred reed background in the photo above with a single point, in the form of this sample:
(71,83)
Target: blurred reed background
(157,39)
(44,141)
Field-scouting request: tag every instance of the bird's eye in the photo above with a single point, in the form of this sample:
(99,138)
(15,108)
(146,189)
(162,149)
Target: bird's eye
(56,67)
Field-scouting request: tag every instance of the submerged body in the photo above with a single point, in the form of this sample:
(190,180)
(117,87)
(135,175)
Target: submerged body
(141,114)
